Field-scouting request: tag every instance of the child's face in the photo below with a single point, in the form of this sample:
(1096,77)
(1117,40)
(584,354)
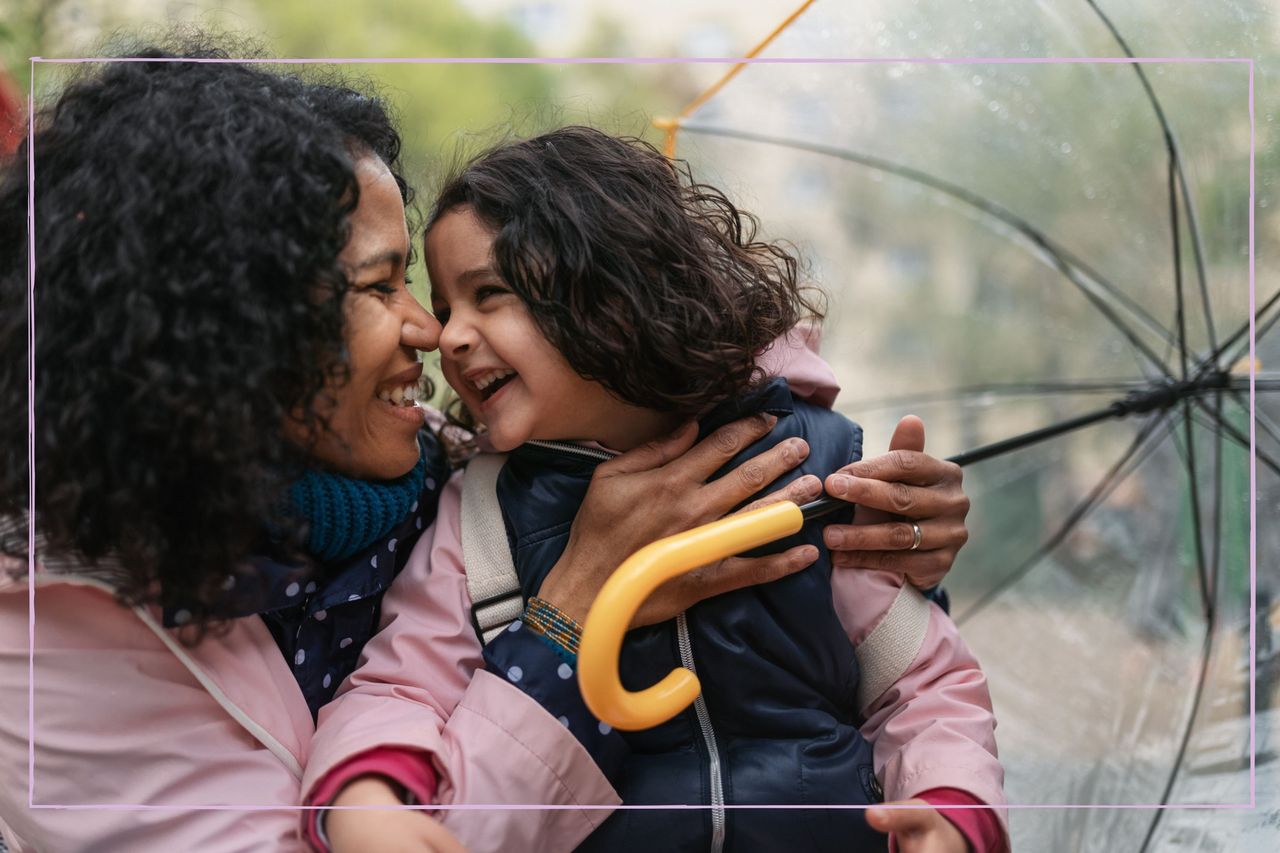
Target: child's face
(493,355)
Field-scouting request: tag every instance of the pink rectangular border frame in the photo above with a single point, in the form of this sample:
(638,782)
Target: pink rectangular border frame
(1253,543)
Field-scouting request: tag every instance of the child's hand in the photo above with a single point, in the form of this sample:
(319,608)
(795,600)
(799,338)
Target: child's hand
(384,830)
(920,830)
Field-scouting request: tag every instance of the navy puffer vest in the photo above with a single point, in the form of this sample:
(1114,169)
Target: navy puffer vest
(776,722)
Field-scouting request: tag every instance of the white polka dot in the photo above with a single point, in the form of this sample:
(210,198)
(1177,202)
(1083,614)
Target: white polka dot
(515,673)
(604,728)
(431,484)
(292,589)
(514,626)
(320,615)
(373,561)
(355,596)
(328,679)
(414,508)
(228,582)
(391,546)
(564,721)
(182,617)
(310,588)
(565,671)
(346,641)
(299,658)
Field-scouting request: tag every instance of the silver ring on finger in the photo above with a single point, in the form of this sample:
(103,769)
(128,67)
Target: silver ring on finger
(915,537)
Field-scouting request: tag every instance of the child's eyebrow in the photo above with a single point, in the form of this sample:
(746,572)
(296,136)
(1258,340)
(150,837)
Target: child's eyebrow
(477,274)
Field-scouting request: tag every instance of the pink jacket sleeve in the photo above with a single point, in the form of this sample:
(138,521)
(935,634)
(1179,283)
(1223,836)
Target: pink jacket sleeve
(933,727)
(421,685)
(120,721)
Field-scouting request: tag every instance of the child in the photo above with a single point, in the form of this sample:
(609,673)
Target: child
(592,298)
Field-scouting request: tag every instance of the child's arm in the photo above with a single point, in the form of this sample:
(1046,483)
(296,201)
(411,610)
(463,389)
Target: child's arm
(423,689)
(932,726)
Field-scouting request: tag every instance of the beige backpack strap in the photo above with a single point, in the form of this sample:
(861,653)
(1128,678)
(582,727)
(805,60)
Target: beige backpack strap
(887,652)
(491,575)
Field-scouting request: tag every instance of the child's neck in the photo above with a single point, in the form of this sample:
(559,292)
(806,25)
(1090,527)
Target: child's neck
(639,426)
(631,427)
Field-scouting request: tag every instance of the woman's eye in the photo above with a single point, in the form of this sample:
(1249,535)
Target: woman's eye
(484,292)
(380,287)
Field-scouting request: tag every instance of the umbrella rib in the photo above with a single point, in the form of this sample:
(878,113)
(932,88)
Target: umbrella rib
(1063,260)
(1243,440)
(1175,157)
(1197,535)
(1205,654)
(1210,615)
(1177,259)
(1128,461)
(1016,389)
(1261,329)
(1260,418)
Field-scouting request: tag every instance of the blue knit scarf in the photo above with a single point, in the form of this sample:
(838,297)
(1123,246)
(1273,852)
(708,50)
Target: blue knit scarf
(346,515)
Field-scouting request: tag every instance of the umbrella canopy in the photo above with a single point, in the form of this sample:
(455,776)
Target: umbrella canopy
(1011,245)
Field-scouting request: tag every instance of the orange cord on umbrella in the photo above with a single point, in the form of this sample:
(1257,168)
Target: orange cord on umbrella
(672,125)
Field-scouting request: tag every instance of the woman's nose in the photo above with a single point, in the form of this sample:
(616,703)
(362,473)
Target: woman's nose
(420,329)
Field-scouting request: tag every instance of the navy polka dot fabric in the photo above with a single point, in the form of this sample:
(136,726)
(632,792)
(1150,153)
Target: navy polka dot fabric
(322,619)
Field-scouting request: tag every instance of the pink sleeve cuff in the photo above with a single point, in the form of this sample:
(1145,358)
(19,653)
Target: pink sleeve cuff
(409,768)
(980,827)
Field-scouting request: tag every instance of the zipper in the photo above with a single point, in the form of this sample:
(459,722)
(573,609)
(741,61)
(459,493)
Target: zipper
(708,737)
(686,660)
(569,447)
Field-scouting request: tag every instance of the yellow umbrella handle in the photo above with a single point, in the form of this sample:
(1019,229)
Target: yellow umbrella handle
(633,582)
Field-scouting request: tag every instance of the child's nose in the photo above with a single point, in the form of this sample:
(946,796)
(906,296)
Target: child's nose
(457,337)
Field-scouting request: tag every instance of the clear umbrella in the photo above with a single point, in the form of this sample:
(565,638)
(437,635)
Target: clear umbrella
(1014,245)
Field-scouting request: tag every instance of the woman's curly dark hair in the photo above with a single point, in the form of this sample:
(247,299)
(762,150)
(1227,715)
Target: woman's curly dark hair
(646,281)
(188,298)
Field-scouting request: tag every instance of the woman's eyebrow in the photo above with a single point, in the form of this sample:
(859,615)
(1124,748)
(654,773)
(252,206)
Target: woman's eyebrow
(392,256)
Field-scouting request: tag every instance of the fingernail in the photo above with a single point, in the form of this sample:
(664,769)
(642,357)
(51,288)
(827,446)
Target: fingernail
(840,485)
(769,420)
(833,538)
(810,486)
(805,556)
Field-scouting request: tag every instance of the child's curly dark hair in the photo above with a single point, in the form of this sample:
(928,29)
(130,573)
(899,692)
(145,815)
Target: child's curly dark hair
(646,281)
(188,298)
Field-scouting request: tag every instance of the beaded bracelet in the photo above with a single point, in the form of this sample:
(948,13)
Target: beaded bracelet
(546,619)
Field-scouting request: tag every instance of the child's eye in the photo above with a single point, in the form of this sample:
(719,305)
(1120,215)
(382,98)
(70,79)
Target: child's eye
(485,291)
(380,287)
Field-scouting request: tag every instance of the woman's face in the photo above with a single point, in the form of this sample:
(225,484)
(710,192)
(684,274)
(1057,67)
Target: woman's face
(373,422)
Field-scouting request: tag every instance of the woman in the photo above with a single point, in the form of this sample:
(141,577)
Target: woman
(227,477)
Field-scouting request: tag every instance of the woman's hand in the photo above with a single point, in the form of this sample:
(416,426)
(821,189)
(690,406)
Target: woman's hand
(921,830)
(659,489)
(892,491)
(355,830)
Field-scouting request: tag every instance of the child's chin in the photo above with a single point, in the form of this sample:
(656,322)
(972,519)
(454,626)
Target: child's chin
(503,442)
